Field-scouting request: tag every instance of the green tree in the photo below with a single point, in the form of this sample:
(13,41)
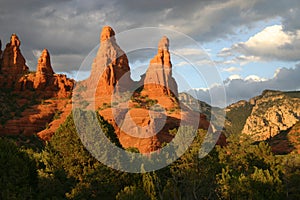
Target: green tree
(191,177)
(291,168)
(132,193)
(249,171)
(80,175)
(18,177)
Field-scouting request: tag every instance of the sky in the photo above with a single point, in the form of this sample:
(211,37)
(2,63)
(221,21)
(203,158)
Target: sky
(240,47)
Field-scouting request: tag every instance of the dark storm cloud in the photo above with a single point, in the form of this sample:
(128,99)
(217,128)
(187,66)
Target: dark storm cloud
(291,20)
(241,89)
(71,28)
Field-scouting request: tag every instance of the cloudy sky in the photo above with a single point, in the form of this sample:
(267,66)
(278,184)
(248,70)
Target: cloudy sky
(254,45)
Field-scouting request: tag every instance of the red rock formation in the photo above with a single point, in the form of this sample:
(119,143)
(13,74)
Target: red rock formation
(65,111)
(13,63)
(45,82)
(158,79)
(134,124)
(44,71)
(109,66)
(14,73)
(139,129)
(36,118)
(33,87)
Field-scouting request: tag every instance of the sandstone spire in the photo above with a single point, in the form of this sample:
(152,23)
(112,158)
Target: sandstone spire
(44,71)
(12,63)
(109,66)
(44,64)
(158,77)
(107,34)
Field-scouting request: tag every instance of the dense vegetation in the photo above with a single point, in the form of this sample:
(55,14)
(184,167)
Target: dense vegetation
(236,118)
(64,169)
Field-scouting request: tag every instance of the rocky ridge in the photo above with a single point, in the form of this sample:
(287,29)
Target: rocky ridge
(272,112)
(272,117)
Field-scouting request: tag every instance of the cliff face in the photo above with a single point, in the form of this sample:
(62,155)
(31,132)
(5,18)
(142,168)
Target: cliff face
(272,113)
(287,141)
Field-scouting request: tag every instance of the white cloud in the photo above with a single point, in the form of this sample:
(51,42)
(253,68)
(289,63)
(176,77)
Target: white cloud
(238,88)
(191,56)
(272,43)
(254,78)
(73,26)
(234,77)
(181,64)
(231,69)
(189,52)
